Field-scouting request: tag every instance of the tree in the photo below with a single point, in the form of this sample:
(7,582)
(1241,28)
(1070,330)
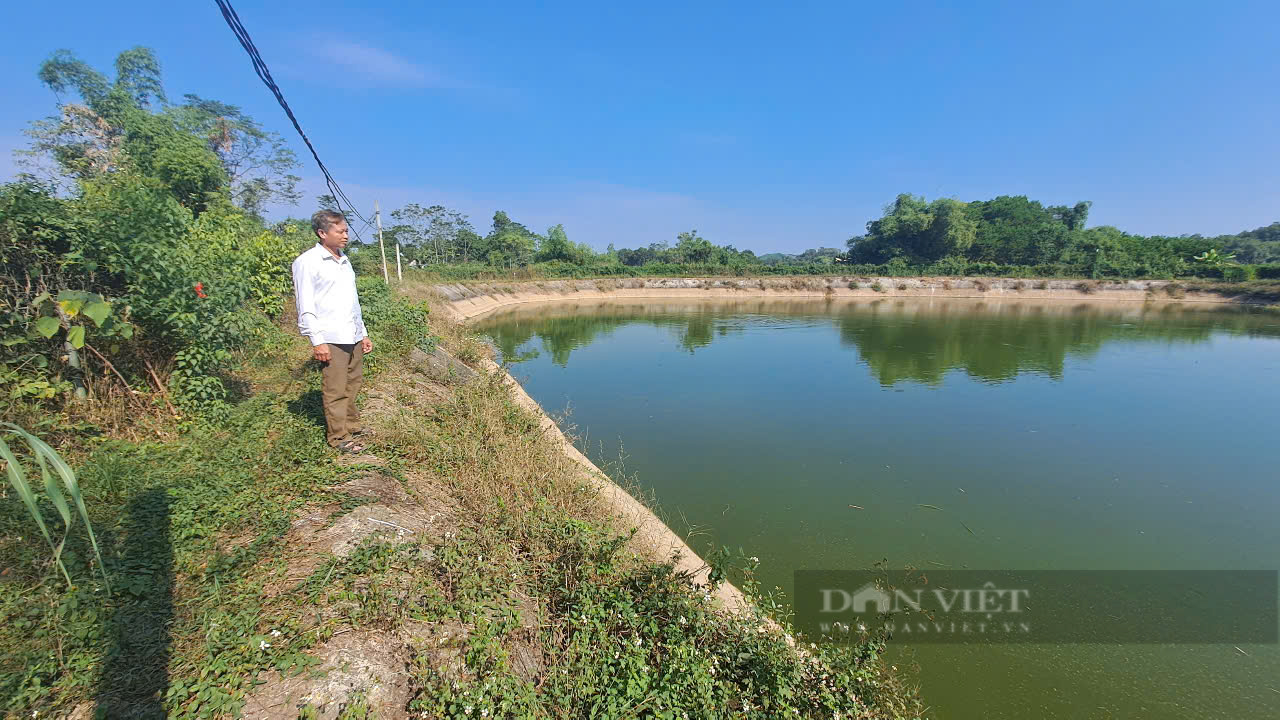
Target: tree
(692,248)
(258,163)
(1073,217)
(115,128)
(1016,230)
(436,234)
(329,202)
(920,231)
(508,243)
(556,246)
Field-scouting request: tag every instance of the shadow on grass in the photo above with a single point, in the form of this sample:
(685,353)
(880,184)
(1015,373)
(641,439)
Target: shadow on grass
(135,674)
(309,406)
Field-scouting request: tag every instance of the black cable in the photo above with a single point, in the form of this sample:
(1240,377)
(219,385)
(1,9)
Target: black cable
(264,74)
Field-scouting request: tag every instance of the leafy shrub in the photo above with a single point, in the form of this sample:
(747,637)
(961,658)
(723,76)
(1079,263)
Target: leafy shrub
(395,326)
(1239,273)
(122,256)
(1269,271)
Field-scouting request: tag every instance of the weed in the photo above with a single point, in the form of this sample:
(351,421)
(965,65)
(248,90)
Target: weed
(877,286)
(1019,286)
(1175,290)
(946,284)
(902,286)
(1042,285)
(45,457)
(1088,287)
(981,285)
(853,284)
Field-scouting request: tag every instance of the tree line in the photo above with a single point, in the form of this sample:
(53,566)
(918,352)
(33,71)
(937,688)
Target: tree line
(1005,235)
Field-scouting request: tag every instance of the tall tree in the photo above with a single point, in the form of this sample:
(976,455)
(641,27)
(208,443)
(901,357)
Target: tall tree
(258,163)
(437,233)
(114,128)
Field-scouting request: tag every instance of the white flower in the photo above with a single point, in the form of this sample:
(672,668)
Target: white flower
(484,712)
(263,644)
(275,633)
(683,621)
(755,559)
(467,709)
(638,642)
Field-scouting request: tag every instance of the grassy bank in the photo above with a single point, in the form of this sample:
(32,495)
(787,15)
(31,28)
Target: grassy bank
(461,568)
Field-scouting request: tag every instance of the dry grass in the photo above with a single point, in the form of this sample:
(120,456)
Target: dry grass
(1042,285)
(1019,286)
(1088,287)
(946,284)
(981,285)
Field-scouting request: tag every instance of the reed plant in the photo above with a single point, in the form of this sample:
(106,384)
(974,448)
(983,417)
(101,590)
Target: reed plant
(46,457)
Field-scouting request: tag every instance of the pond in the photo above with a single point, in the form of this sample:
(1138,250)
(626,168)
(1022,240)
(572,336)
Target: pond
(967,434)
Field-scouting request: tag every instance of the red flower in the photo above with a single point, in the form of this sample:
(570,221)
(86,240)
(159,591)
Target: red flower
(200,290)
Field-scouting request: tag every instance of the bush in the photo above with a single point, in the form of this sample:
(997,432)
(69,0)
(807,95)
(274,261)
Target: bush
(395,326)
(1239,273)
(1270,271)
(88,271)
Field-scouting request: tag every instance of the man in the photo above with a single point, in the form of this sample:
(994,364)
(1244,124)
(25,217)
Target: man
(324,285)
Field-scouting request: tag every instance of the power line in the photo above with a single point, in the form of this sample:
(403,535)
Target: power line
(260,67)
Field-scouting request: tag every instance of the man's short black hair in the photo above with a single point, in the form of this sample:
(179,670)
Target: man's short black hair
(325,219)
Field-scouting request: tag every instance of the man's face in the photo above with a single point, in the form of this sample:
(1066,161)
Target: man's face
(334,237)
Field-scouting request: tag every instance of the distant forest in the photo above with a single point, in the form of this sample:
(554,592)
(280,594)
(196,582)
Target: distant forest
(1006,235)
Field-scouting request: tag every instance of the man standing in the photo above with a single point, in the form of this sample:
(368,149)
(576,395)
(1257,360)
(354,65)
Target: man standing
(324,285)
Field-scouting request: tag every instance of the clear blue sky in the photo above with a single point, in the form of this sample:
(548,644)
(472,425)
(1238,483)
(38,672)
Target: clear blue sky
(769,126)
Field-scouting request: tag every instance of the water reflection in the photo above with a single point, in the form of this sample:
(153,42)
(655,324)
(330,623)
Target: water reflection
(898,340)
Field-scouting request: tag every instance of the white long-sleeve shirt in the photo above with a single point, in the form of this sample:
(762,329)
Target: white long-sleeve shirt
(328,307)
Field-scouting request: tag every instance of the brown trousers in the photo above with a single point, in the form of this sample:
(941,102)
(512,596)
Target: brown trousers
(341,379)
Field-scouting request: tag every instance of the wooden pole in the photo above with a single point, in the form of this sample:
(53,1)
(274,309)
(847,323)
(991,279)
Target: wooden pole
(377,217)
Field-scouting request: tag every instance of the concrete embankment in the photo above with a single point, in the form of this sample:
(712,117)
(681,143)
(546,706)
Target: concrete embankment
(472,299)
(652,536)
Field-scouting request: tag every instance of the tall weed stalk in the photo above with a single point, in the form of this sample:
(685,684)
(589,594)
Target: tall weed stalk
(45,457)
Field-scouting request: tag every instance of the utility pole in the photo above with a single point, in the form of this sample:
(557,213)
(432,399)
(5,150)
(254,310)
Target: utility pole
(399,277)
(377,217)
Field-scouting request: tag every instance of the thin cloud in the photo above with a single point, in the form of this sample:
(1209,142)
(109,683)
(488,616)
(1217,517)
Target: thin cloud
(375,66)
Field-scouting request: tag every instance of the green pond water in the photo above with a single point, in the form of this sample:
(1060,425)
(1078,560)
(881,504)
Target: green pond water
(1064,435)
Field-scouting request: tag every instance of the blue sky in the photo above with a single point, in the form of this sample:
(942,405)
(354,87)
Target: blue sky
(768,126)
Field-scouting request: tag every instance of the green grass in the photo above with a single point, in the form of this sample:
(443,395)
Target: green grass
(177,631)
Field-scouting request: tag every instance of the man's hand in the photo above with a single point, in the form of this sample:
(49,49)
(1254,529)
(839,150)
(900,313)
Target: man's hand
(366,345)
(321,352)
